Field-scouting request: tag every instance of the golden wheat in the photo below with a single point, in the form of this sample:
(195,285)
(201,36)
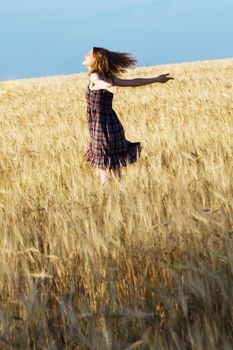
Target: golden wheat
(146,263)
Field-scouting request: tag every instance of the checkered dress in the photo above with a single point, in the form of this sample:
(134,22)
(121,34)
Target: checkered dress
(108,147)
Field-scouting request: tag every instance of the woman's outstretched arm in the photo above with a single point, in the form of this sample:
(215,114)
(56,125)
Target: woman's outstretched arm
(98,82)
(163,78)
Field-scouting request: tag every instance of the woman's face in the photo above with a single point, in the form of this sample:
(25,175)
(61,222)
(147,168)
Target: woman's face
(88,59)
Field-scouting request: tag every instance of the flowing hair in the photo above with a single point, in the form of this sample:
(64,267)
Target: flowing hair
(111,63)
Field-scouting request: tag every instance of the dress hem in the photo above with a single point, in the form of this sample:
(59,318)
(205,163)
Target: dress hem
(115,160)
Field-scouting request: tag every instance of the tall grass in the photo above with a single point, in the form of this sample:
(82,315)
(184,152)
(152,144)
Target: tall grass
(146,263)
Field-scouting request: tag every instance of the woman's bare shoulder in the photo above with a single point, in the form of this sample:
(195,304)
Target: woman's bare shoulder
(100,76)
(94,76)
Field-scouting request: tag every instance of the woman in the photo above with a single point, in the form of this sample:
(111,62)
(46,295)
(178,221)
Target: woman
(109,150)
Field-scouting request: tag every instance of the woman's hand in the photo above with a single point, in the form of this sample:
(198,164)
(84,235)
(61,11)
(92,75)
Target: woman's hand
(163,78)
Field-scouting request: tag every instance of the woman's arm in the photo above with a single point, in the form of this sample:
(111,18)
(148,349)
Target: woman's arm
(97,82)
(163,78)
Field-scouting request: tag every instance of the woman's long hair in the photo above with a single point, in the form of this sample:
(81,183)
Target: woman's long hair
(111,63)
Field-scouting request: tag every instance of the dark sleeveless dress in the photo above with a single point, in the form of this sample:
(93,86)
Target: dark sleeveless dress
(108,148)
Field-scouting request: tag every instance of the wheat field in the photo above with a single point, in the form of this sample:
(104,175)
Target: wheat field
(146,262)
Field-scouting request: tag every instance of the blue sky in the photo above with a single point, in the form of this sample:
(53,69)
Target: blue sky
(48,37)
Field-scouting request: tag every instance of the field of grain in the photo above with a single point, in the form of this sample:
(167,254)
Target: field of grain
(145,263)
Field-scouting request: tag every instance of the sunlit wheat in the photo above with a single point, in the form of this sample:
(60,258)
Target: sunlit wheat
(147,262)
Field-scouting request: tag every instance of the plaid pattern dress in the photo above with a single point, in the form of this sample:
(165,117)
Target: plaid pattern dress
(108,148)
